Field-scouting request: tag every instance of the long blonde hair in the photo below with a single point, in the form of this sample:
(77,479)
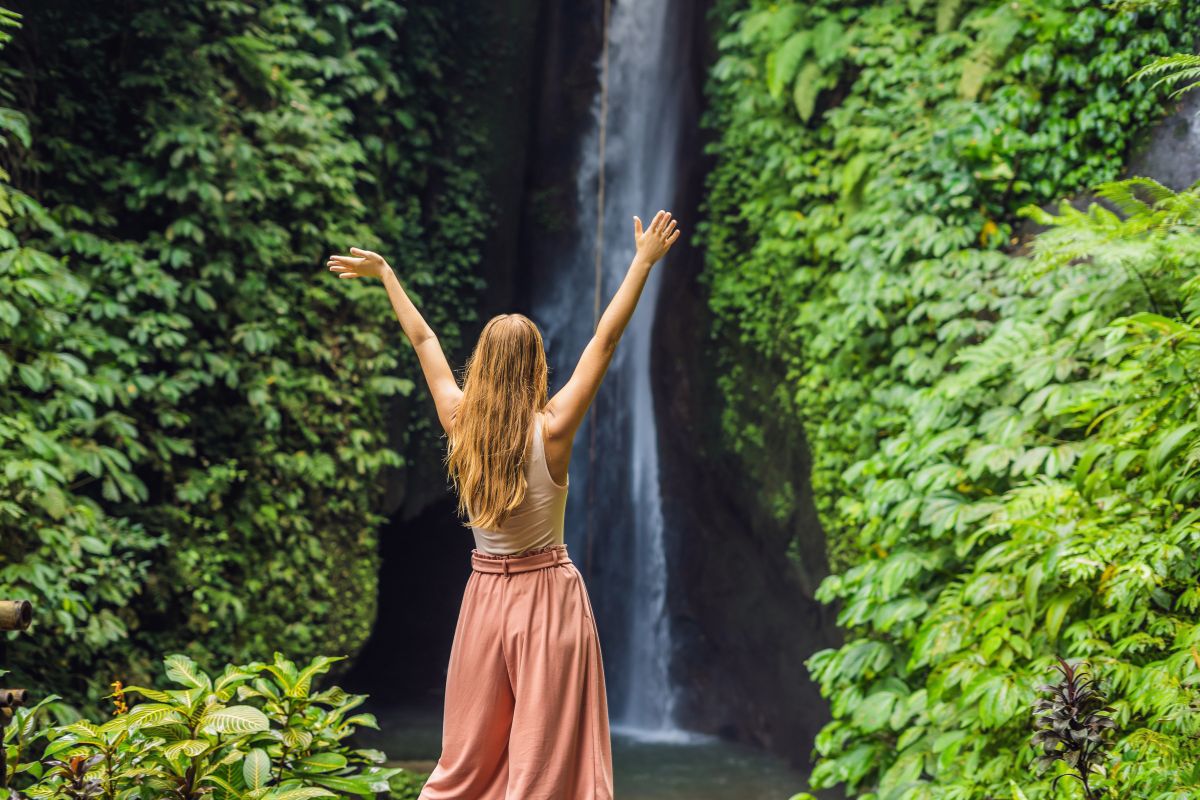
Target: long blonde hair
(506,383)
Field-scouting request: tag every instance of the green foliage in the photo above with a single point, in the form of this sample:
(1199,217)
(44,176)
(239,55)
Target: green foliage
(183,382)
(810,59)
(407,786)
(1003,448)
(1171,71)
(255,732)
(22,737)
(837,246)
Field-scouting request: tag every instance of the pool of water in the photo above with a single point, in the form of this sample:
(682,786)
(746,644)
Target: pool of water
(697,768)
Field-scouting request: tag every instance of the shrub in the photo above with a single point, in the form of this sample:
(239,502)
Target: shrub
(259,731)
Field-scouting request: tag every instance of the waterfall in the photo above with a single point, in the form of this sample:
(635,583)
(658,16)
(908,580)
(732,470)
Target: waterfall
(625,564)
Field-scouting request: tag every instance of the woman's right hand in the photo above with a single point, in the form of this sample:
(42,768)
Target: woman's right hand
(655,241)
(359,264)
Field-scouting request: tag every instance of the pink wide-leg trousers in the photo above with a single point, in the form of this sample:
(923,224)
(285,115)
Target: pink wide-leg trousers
(526,714)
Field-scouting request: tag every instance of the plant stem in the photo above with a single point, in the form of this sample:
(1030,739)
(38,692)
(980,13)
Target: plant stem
(1087,789)
(108,774)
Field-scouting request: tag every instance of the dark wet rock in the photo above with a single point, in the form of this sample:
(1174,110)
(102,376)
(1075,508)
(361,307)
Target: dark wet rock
(504,101)
(1171,154)
(742,611)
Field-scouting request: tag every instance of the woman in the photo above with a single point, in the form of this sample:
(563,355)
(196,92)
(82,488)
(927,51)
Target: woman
(526,715)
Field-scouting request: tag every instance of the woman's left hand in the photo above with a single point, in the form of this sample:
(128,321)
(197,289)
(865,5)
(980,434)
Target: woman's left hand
(360,264)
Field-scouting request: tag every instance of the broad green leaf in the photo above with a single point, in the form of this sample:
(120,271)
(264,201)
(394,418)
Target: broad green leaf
(303,682)
(1168,445)
(187,747)
(256,768)
(182,669)
(301,793)
(148,715)
(783,63)
(232,719)
(321,762)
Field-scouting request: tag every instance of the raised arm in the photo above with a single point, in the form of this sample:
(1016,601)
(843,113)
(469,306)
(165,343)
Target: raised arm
(439,376)
(567,409)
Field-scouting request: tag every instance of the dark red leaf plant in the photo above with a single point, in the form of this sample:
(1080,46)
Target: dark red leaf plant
(1072,724)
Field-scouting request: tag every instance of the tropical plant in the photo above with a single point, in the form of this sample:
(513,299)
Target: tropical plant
(257,731)
(75,782)
(1072,726)
(407,786)
(23,735)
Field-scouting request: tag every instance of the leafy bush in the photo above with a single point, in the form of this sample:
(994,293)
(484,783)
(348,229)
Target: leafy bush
(61,436)
(182,384)
(255,732)
(1004,449)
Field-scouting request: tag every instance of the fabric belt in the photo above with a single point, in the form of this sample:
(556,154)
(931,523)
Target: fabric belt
(508,565)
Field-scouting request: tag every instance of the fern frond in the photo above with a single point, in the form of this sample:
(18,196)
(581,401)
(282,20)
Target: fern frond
(1165,63)
(997,32)
(785,20)
(1121,194)
(808,85)
(1171,71)
(1192,76)
(1119,6)
(947,14)
(829,41)
(783,63)
(772,24)
(1153,189)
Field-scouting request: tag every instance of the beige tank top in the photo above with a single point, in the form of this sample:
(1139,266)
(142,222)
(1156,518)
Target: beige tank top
(538,521)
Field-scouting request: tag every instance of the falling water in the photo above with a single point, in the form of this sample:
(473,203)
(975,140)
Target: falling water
(624,559)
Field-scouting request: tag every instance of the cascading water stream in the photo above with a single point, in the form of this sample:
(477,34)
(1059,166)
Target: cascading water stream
(625,563)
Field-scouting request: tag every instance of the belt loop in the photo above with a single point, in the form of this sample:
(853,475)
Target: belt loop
(506,573)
